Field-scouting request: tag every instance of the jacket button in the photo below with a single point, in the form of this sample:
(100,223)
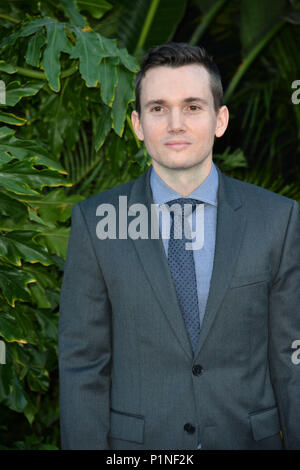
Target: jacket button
(189,428)
(197,369)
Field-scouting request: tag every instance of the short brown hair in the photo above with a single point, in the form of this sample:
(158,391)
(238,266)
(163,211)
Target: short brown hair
(176,54)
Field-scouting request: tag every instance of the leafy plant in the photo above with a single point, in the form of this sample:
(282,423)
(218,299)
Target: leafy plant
(58,76)
(31,239)
(65,134)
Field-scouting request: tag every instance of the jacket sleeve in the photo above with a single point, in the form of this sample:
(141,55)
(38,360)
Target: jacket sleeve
(84,346)
(284,327)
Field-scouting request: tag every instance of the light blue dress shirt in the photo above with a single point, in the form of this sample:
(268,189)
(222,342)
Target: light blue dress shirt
(206,192)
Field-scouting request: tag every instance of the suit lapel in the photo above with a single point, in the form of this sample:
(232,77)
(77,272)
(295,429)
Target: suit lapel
(229,233)
(154,261)
(230,227)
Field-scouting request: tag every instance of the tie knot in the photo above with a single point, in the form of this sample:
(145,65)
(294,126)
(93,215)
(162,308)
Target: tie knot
(185,205)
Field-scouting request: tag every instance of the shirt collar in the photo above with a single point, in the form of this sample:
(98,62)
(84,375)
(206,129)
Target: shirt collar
(206,192)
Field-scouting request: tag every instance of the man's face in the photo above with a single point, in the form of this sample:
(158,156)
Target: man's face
(178,121)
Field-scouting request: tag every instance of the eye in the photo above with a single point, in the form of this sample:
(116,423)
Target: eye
(156,109)
(194,107)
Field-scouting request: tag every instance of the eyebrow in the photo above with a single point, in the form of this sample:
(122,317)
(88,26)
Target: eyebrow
(190,99)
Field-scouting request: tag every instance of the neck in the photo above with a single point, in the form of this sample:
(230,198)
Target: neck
(184,181)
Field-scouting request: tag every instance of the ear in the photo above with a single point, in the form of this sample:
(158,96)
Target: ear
(222,121)
(136,123)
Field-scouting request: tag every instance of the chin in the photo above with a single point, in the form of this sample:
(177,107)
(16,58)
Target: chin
(179,164)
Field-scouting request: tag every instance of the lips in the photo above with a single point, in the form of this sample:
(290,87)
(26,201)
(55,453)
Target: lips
(177,144)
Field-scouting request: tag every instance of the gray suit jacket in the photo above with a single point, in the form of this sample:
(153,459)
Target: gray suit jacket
(127,372)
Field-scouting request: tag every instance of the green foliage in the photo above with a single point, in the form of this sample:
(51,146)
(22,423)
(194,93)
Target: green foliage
(59,77)
(29,271)
(65,134)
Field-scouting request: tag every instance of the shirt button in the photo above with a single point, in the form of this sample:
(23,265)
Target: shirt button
(189,428)
(197,369)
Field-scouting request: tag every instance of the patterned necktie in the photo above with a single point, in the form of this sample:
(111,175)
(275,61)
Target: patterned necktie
(182,267)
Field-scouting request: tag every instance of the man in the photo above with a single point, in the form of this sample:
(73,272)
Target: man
(164,347)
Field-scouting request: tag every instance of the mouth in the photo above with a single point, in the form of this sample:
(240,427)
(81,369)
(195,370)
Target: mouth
(177,144)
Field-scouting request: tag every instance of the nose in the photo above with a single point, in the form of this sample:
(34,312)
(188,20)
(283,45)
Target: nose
(176,122)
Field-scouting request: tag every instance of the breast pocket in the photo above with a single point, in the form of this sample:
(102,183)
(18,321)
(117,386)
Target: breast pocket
(249,279)
(245,316)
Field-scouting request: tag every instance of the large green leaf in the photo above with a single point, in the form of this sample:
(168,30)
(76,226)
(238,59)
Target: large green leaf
(96,8)
(109,46)
(36,25)
(89,49)
(16,350)
(56,240)
(7,68)
(48,324)
(6,132)
(124,94)
(34,217)
(9,118)
(9,207)
(38,379)
(15,91)
(45,281)
(10,328)
(108,77)
(23,149)
(53,207)
(102,126)
(17,399)
(71,11)
(13,283)
(19,245)
(128,61)
(56,206)
(31,223)
(30,412)
(21,177)
(27,30)
(34,48)
(57,43)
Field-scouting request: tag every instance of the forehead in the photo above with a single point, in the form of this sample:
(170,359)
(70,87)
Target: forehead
(176,83)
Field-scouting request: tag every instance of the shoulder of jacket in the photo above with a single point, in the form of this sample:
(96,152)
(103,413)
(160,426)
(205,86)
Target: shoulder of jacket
(258,193)
(110,196)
